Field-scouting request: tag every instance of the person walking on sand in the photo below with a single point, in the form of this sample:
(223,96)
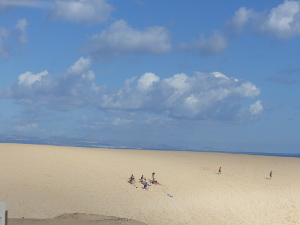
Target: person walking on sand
(220,170)
(270,175)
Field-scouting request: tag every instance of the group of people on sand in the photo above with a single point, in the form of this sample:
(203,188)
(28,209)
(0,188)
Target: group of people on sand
(143,181)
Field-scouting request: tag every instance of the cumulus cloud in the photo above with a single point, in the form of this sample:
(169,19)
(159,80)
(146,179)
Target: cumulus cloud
(253,112)
(72,90)
(28,78)
(81,65)
(120,38)
(282,22)
(146,81)
(214,45)
(12,39)
(241,17)
(256,108)
(81,11)
(201,97)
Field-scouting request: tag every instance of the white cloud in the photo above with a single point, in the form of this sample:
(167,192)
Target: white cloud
(219,75)
(213,97)
(201,97)
(214,45)
(21,29)
(70,91)
(239,20)
(120,38)
(181,84)
(81,65)
(247,89)
(256,108)
(90,76)
(28,78)
(283,21)
(78,73)
(253,112)
(146,81)
(82,11)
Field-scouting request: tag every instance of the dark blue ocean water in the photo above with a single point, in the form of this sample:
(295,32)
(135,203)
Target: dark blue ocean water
(263,153)
(297,155)
(277,154)
(89,144)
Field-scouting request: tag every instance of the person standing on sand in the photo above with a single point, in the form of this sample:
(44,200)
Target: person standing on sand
(153,175)
(220,170)
(270,175)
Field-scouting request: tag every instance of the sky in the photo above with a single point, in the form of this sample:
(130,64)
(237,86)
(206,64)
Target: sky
(218,74)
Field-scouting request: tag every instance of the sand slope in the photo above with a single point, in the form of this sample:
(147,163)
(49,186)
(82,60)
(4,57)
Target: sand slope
(75,219)
(48,181)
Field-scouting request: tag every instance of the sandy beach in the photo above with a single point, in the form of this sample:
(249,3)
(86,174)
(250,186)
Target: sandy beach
(91,184)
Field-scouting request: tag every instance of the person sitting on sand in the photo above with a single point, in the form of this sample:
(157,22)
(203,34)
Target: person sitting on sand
(154,181)
(145,185)
(142,179)
(131,179)
(145,182)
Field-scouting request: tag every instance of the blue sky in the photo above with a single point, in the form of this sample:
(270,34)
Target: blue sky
(222,74)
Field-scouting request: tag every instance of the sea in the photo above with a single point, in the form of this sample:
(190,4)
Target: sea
(94,144)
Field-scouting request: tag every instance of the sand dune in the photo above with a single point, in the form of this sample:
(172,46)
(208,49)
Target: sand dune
(47,181)
(75,219)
